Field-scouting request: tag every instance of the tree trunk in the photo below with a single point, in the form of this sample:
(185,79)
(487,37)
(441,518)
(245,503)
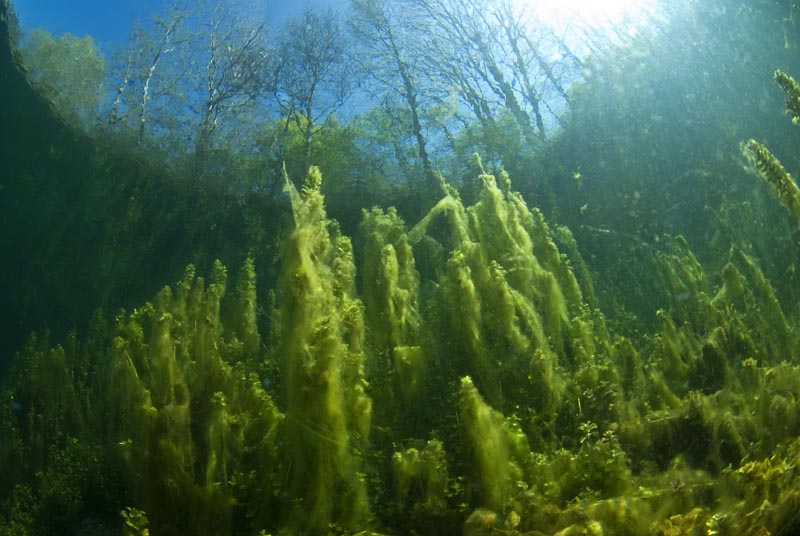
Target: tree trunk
(416,124)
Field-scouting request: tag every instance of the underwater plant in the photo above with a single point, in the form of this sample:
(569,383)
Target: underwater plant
(770,169)
(483,394)
(452,373)
(775,175)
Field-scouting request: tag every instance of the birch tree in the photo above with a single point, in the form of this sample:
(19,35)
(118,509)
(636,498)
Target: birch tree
(237,68)
(145,77)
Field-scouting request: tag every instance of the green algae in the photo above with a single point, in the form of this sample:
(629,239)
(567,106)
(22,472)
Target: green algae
(528,413)
(322,335)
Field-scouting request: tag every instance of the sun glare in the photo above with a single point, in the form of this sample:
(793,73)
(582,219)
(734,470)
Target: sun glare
(595,14)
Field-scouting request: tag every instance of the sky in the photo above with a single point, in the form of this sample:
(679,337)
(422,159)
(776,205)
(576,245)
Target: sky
(109,21)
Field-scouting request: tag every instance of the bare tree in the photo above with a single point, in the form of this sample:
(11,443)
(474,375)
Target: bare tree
(314,76)
(182,73)
(382,27)
(498,57)
(144,60)
(164,47)
(237,68)
(465,24)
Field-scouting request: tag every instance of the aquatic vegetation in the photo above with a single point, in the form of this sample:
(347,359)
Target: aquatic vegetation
(134,522)
(421,481)
(792,91)
(322,332)
(483,394)
(776,176)
(188,420)
(771,170)
(449,375)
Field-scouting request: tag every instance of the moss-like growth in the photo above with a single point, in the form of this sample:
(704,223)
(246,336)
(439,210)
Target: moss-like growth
(506,291)
(421,480)
(322,336)
(792,91)
(390,295)
(504,404)
(187,422)
(247,310)
(775,175)
(134,522)
(493,444)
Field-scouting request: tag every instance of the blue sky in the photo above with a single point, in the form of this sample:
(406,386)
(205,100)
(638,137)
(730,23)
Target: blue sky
(109,21)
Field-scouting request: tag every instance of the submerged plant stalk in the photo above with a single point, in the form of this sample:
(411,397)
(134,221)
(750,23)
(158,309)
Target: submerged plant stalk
(776,176)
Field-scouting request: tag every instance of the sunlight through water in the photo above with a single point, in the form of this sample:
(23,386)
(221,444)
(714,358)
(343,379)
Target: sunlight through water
(621,17)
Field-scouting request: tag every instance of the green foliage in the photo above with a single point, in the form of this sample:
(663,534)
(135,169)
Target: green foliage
(352,174)
(421,479)
(492,443)
(502,143)
(771,170)
(187,421)
(68,71)
(390,298)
